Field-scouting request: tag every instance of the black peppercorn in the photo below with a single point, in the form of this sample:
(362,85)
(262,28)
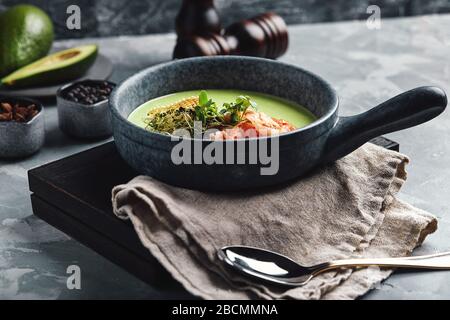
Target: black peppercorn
(89,92)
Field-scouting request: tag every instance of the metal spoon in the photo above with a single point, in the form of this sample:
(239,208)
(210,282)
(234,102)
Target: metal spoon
(276,268)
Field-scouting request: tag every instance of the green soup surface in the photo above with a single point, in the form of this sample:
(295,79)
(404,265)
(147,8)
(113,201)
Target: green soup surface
(273,106)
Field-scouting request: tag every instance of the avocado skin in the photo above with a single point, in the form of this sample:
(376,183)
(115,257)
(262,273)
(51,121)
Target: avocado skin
(57,76)
(26,35)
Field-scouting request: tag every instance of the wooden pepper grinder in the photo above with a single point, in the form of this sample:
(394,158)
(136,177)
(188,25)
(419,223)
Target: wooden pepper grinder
(262,36)
(197,17)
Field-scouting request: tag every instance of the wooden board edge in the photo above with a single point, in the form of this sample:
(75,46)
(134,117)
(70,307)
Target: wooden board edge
(84,213)
(76,157)
(148,270)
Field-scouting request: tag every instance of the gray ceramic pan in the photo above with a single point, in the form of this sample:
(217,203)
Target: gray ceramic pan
(329,138)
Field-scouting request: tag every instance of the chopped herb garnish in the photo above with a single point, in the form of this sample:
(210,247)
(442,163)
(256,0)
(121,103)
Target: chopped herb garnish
(182,114)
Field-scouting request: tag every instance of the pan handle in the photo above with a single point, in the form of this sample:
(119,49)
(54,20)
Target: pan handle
(403,111)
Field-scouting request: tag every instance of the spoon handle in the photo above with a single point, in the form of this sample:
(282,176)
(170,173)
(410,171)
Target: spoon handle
(434,261)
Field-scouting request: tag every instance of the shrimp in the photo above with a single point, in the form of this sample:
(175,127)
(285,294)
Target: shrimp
(254,124)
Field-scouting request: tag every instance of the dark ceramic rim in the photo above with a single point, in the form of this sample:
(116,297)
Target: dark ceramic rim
(59,92)
(334,105)
(29,100)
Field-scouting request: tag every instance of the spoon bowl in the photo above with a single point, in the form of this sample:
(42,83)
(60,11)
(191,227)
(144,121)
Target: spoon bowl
(278,269)
(266,265)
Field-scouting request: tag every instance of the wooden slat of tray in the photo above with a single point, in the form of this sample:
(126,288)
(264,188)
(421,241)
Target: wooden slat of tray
(148,270)
(81,186)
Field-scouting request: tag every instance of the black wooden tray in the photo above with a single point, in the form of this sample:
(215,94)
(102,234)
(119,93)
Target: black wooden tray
(74,195)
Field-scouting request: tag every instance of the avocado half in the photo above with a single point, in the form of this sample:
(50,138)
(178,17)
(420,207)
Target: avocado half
(56,68)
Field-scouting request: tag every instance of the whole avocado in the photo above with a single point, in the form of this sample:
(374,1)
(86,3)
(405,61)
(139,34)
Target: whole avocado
(26,34)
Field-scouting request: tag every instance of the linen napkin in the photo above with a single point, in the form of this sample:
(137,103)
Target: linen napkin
(347,209)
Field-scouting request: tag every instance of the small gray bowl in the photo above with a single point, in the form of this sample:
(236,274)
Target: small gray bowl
(21,139)
(81,120)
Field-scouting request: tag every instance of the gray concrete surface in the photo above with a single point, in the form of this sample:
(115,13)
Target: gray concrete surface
(365,66)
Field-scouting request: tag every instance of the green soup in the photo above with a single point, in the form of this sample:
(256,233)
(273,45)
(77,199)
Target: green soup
(271,105)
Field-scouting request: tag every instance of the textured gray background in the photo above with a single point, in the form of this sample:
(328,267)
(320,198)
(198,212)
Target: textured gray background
(365,66)
(125,17)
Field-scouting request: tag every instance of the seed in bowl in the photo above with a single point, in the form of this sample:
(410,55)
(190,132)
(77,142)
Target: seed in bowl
(89,93)
(17,112)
